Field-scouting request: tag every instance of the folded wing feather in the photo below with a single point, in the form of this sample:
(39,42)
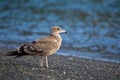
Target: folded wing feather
(42,46)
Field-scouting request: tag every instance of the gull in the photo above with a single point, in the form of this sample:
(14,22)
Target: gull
(42,47)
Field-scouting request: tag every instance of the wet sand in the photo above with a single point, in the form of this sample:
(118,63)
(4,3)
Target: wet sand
(60,68)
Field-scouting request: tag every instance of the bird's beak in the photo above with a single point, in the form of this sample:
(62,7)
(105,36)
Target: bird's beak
(63,31)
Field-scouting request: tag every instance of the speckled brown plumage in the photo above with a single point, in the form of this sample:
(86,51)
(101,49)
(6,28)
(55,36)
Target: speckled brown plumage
(43,47)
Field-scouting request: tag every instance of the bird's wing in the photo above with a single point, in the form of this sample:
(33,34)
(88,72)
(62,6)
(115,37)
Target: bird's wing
(42,45)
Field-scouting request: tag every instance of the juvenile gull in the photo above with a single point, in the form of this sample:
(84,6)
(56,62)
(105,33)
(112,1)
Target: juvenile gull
(42,47)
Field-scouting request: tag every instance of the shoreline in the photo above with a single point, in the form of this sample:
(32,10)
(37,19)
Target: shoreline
(64,54)
(60,68)
(98,59)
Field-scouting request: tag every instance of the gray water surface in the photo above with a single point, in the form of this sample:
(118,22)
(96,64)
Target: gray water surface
(93,26)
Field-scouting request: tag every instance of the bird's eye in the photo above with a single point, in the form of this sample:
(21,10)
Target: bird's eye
(58,28)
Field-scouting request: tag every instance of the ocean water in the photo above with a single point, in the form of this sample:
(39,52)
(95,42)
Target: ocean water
(93,26)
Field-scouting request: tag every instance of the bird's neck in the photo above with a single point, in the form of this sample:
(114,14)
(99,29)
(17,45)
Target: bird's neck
(57,36)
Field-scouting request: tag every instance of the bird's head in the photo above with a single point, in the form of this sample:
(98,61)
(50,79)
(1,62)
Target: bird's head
(57,30)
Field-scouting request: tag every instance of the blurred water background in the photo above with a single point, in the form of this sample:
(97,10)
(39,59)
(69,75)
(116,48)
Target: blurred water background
(93,26)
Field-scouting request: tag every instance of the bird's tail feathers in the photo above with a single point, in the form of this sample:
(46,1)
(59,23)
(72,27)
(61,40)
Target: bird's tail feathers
(16,54)
(12,53)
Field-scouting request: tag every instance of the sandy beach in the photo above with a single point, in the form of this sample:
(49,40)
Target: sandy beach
(60,68)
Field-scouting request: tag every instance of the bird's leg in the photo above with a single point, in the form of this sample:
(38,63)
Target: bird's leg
(41,63)
(46,61)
